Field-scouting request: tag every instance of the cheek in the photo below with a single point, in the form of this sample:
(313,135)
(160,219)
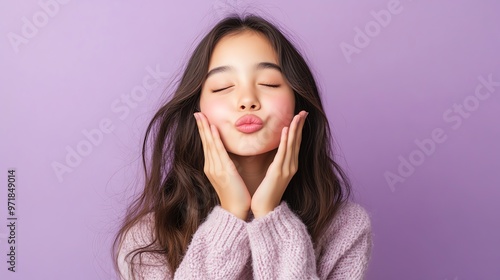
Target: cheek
(214,110)
(283,109)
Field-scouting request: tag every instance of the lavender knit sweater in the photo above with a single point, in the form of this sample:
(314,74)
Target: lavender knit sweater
(276,246)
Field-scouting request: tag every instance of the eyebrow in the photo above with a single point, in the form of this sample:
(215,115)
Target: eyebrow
(262,65)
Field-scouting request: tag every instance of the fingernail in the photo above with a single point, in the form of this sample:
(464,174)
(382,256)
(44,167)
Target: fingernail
(195,116)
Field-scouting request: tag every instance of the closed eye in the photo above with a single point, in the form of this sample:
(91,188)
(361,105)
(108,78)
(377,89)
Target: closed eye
(268,85)
(217,90)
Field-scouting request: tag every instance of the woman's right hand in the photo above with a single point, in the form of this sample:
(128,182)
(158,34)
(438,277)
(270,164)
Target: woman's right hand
(221,171)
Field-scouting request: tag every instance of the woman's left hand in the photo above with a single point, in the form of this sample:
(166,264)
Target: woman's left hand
(284,166)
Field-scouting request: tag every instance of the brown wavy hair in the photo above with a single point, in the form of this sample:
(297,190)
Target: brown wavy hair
(176,190)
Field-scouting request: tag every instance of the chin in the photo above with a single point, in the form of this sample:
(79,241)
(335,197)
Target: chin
(247,152)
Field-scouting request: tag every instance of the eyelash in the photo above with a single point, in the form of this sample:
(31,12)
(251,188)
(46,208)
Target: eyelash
(267,85)
(273,86)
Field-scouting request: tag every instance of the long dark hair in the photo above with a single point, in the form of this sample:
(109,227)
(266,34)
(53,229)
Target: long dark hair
(177,192)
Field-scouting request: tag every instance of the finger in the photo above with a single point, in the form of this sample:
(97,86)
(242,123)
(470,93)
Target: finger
(212,147)
(218,148)
(208,141)
(202,135)
(291,141)
(280,154)
(299,132)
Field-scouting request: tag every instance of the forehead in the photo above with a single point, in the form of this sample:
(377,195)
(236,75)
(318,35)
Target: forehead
(246,46)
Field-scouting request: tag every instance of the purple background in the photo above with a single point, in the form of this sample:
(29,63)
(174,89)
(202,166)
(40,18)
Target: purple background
(440,223)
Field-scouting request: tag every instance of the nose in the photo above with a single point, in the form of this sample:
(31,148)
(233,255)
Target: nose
(248,101)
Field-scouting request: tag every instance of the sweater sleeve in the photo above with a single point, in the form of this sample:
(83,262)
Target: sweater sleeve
(219,249)
(347,245)
(282,248)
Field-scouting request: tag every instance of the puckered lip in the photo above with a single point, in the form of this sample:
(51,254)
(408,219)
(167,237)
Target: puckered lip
(249,124)
(249,119)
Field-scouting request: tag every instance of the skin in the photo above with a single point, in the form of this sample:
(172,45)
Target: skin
(248,171)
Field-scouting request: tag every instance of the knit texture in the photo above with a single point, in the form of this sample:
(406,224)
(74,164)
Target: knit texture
(276,246)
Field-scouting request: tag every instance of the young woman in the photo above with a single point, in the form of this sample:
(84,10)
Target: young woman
(241,181)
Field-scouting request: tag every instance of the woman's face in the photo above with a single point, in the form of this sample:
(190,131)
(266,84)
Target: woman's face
(244,78)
